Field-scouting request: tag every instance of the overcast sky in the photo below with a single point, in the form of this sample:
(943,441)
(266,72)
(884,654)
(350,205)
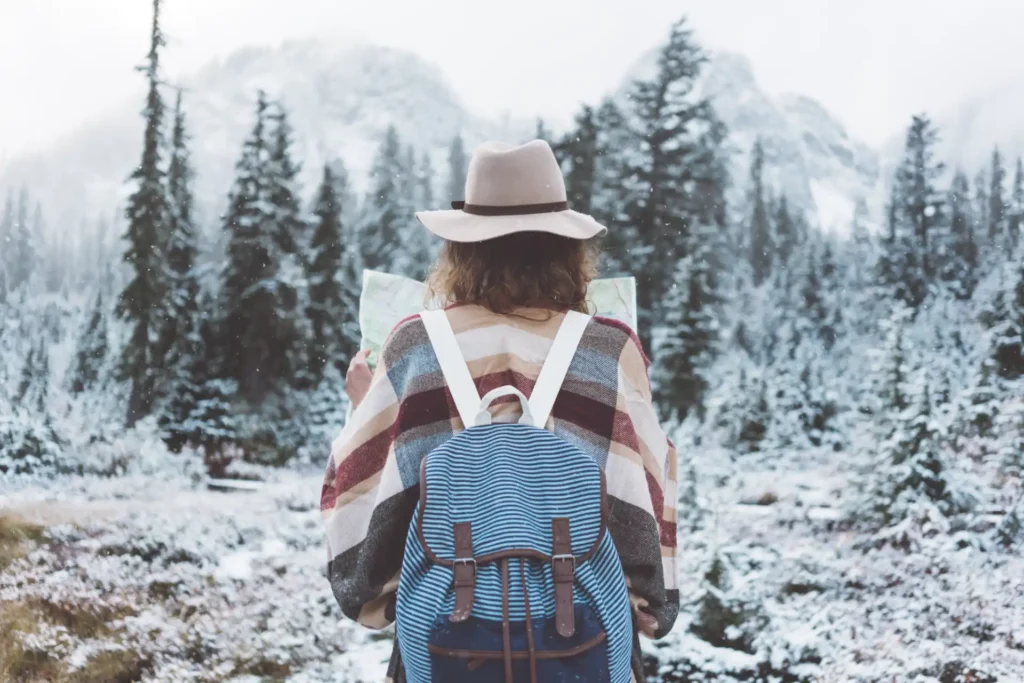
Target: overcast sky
(872,62)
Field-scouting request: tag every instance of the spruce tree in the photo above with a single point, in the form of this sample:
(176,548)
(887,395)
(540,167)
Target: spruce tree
(259,328)
(1005,319)
(611,189)
(34,386)
(580,147)
(458,166)
(962,260)
(675,179)
(326,303)
(915,217)
(1015,221)
(911,469)
(182,248)
(425,184)
(689,341)
(996,201)
(760,230)
(414,243)
(21,248)
(386,213)
(148,216)
(92,350)
(785,238)
(981,205)
(199,411)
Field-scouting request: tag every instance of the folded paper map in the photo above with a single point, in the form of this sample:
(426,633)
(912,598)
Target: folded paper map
(387,299)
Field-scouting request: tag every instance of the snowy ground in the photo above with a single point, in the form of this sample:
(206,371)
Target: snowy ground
(162,579)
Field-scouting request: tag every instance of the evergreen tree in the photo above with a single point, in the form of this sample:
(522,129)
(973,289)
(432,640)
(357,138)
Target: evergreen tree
(458,166)
(386,213)
(962,265)
(1005,318)
(92,349)
(326,303)
(996,201)
(580,147)
(981,205)
(912,467)
(689,341)
(34,387)
(148,215)
(21,252)
(915,216)
(612,186)
(1015,221)
(289,227)
(182,248)
(259,331)
(6,240)
(414,243)
(760,230)
(785,238)
(676,177)
(199,412)
(425,185)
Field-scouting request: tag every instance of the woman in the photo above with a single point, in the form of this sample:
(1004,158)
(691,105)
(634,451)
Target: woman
(514,260)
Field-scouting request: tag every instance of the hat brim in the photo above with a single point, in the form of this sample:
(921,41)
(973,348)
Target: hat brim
(459,226)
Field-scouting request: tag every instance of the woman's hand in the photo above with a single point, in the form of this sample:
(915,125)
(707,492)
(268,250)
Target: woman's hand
(358,378)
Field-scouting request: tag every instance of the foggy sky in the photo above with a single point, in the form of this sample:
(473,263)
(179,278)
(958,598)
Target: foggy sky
(873,62)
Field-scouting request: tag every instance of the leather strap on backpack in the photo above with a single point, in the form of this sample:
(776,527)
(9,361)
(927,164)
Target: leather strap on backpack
(465,572)
(563,569)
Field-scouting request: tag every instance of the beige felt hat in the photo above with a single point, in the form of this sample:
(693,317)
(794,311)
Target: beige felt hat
(508,190)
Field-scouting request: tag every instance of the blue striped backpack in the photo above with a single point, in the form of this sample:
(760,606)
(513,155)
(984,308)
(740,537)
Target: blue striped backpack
(509,572)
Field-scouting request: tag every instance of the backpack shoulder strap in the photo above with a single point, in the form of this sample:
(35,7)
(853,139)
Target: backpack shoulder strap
(555,368)
(453,365)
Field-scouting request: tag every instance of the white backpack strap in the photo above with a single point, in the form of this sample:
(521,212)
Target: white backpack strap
(553,372)
(453,365)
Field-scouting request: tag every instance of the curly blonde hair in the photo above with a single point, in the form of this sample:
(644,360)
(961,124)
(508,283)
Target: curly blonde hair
(522,270)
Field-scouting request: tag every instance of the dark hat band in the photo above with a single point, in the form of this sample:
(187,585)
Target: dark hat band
(517,210)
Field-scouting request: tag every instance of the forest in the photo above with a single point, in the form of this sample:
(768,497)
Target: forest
(853,398)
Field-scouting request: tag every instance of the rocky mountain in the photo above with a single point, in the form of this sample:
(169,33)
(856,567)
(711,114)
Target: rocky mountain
(809,156)
(340,99)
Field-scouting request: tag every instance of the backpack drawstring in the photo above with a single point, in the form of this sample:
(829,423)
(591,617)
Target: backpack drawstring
(529,623)
(505,626)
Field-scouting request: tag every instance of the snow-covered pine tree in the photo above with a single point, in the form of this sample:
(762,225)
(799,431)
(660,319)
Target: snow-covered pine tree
(199,411)
(1005,319)
(580,148)
(785,236)
(6,239)
(415,242)
(911,468)
(997,202)
(916,216)
(148,213)
(689,337)
(760,245)
(674,177)
(291,231)
(21,241)
(621,249)
(961,269)
(891,372)
(425,184)
(34,387)
(1015,220)
(93,346)
(981,207)
(182,300)
(258,330)
(458,166)
(326,303)
(385,212)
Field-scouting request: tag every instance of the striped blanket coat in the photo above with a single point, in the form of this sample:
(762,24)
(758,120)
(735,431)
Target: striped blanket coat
(371,485)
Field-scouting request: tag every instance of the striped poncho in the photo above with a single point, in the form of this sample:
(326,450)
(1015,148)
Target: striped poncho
(371,485)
